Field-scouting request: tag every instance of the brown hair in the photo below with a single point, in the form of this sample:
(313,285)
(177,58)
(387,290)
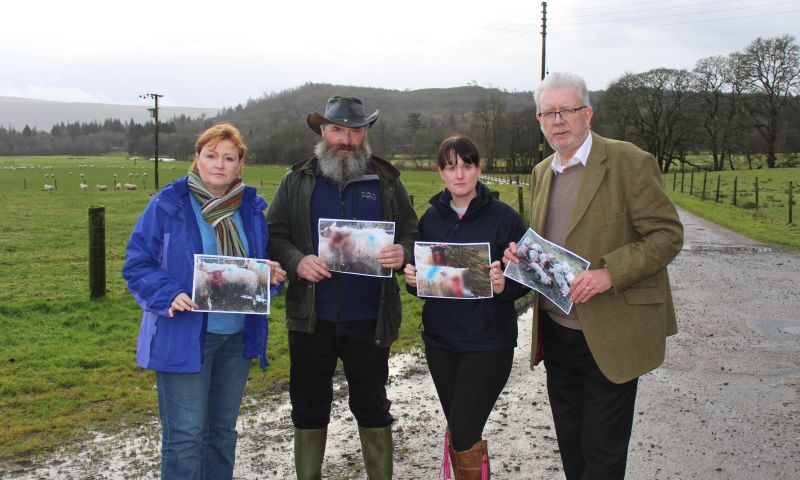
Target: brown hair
(458,146)
(216,134)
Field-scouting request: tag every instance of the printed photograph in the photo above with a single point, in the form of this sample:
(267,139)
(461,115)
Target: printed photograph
(352,246)
(547,268)
(231,284)
(453,270)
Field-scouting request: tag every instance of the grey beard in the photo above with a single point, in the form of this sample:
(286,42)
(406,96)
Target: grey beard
(342,166)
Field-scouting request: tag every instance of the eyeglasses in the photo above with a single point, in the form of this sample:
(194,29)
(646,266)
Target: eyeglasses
(564,114)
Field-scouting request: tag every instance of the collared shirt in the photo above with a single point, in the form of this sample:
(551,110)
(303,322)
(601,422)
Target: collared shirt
(581,156)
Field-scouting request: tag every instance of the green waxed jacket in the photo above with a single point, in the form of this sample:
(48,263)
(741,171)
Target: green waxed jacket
(289,219)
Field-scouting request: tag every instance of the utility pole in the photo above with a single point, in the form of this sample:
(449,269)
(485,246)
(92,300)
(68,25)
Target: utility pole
(544,69)
(154,110)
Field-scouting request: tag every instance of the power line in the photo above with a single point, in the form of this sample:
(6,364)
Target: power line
(688,22)
(608,12)
(703,12)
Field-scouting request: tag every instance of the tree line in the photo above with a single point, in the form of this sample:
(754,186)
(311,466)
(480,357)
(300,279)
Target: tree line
(741,104)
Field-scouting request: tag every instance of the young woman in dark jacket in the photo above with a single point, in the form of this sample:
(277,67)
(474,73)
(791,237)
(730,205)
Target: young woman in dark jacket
(469,344)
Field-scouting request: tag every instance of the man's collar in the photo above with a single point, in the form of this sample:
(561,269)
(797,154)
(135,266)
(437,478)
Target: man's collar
(580,156)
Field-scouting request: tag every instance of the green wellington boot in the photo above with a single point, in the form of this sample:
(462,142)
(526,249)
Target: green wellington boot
(377,448)
(309,449)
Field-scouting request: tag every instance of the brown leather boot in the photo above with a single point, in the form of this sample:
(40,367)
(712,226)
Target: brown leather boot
(473,464)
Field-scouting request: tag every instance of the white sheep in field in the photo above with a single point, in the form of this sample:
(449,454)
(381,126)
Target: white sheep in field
(131,186)
(49,188)
(262,271)
(441,281)
(130,175)
(117,186)
(84,187)
(101,188)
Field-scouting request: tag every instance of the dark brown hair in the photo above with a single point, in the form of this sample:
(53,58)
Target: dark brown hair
(458,146)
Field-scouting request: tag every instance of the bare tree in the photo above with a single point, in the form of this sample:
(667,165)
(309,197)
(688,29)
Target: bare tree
(772,68)
(487,115)
(718,82)
(650,108)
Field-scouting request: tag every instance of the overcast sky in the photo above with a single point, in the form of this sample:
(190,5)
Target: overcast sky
(196,54)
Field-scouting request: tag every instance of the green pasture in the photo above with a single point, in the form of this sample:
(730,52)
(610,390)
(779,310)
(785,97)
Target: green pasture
(67,363)
(767,220)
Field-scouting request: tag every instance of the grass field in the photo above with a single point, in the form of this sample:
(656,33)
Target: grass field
(768,223)
(67,363)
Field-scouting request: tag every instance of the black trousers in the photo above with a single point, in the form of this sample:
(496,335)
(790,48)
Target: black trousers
(592,415)
(313,359)
(468,384)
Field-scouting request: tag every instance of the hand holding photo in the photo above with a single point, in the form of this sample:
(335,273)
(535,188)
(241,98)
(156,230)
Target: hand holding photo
(453,270)
(352,246)
(547,268)
(231,284)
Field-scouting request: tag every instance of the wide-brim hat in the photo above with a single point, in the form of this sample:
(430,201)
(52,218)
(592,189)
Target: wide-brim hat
(343,111)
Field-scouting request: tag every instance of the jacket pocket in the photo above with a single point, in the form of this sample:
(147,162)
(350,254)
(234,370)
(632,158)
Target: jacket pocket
(644,296)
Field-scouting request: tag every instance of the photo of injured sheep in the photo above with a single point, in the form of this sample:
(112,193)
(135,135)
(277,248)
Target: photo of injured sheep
(352,246)
(231,284)
(453,270)
(547,268)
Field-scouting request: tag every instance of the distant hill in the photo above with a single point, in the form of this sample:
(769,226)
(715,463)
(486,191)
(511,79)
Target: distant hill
(433,103)
(43,114)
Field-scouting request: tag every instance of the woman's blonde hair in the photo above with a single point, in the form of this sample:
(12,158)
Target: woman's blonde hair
(216,134)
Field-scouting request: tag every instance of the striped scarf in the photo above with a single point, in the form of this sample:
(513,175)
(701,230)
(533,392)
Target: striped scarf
(218,212)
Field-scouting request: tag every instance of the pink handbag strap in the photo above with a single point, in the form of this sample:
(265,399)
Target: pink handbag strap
(444,469)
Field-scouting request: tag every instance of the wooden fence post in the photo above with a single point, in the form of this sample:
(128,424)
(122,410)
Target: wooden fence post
(674,179)
(97,252)
(756,194)
(411,197)
(716,199)
(790,203)
(24,184)
(735,185)
(691,183)
(683,174)
(705,176)
(521,200)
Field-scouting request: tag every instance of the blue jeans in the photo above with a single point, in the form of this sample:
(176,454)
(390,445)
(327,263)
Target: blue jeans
(199,411)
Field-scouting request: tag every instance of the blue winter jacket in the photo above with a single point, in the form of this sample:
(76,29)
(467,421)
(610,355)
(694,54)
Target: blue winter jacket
(159,265)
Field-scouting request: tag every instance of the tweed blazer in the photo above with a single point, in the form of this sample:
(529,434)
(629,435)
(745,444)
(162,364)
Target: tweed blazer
(623,220)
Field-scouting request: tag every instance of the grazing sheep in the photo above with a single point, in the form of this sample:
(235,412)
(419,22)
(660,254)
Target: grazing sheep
(84,187)
(130,175)
(101,188)
(130,186)
(49,188)
(117,186)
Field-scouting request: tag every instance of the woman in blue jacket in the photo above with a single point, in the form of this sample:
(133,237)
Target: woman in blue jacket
(469,344)
(201,360)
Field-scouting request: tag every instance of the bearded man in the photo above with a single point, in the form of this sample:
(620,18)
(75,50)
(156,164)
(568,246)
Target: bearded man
(331,315)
